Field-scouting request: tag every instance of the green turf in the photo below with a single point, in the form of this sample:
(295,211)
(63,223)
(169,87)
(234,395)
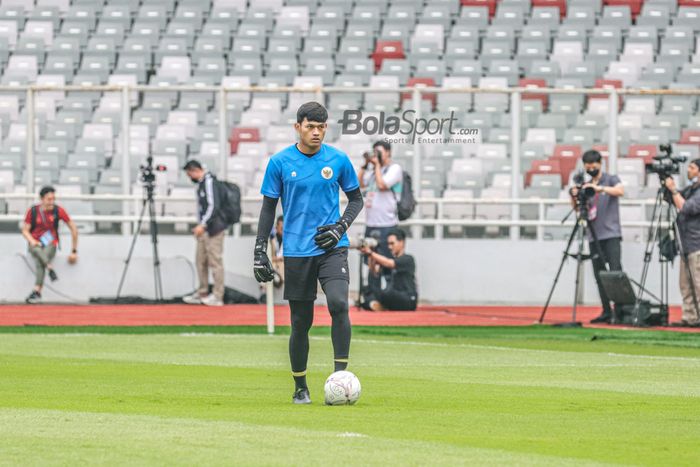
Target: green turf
(431,396)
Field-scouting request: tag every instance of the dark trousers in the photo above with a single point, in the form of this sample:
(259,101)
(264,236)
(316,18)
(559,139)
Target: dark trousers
(381,233)
(395,300)
(612,252)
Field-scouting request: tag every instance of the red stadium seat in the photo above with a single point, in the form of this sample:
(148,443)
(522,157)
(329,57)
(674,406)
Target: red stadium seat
(567,151)
(689,3)
(561,4)
(490,4)
(644,151)
(635,6)
(607,84)
(387,49)
(243,135)
(547,167)
(535,83)
(568,156)
(690,137)
(421,82)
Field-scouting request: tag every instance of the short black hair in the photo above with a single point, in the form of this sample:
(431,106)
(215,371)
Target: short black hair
(695,162)
(192,164)
(280,218)
(591,156)
(383,143)
(398,233)
(313,112)
(45,190)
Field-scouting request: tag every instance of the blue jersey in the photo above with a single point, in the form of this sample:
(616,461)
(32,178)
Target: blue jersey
(309,188)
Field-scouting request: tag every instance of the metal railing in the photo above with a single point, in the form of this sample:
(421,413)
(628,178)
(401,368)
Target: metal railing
(417,93)
(540,223)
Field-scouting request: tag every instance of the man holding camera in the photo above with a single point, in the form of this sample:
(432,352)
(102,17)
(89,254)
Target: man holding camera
(604,220)
(402,291)
(209,233)
(380,179)
(687,202)
(40,229)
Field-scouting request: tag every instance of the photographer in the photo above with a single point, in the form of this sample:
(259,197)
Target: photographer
(40,229)
(380,179)
(601,192)
(210,238)
(687,202)
(401,293)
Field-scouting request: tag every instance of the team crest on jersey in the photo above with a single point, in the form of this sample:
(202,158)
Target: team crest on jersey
(326,173)
(294,174)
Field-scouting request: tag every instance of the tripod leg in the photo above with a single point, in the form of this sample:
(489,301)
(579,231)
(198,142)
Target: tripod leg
(131,248)
(561,267)
(156,258)
(579,268)
(652,236)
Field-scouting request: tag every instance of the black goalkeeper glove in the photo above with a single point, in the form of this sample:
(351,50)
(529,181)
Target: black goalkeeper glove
(262,269)
(329,235)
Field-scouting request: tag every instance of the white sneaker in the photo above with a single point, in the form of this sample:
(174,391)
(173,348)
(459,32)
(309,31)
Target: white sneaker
(211,300)
(193,299)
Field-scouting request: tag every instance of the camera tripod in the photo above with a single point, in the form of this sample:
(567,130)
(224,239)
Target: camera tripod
(653,237)
(147,202)
(578,233)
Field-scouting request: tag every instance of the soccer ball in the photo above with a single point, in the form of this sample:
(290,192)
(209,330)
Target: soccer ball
(342,388)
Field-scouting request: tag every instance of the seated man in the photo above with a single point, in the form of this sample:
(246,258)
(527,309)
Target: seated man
(401,293)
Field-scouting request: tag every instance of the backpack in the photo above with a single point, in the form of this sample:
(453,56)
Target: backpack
(35,212)
(406,204)
(229,199)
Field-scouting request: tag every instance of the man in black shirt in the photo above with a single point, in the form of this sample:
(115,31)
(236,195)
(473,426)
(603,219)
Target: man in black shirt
(209,232)
(687,202)
(401,293)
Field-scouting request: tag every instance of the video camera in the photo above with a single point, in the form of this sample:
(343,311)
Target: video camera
(148,171)
(583,194)
(665,164)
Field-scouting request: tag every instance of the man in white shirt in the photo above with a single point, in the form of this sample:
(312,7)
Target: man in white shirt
(380,181)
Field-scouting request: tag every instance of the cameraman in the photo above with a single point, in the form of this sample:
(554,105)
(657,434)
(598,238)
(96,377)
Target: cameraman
(209,233)
(380,179)
(604,221)
(401,293)
(687,202)
(40,229)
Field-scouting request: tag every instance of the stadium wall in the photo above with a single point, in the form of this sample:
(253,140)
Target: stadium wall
(449,271)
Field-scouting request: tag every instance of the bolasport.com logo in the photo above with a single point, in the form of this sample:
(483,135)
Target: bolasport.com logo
(407,129)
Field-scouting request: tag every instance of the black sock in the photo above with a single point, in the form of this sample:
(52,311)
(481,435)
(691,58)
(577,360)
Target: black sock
(337,297)
(300,382)
(302,316)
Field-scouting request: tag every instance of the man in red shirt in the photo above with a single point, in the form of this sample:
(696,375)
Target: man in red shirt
(41,232)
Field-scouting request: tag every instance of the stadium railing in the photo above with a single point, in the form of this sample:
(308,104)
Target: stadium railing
(515,96)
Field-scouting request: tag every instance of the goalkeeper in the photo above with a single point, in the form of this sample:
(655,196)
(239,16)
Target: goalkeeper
(307,176)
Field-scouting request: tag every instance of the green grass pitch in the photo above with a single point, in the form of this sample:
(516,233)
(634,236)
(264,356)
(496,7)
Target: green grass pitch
(459,396)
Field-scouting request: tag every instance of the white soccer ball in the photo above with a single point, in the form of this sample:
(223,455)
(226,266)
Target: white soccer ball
(342,388)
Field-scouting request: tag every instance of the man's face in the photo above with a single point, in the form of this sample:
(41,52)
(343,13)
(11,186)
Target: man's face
(49,201)
(383,155)
(395,245)
(195,174)
(693,171)
(592,166)
(280,226)
(311,134)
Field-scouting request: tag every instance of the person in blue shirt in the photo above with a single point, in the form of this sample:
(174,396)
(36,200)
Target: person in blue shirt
(307,176)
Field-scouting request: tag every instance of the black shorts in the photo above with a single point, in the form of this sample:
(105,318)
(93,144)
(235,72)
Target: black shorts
(301,275)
